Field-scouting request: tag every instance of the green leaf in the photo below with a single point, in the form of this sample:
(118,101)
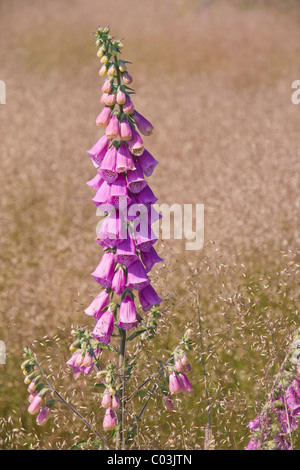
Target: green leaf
(79,445)
(140,393)
(134,335)
(99,385)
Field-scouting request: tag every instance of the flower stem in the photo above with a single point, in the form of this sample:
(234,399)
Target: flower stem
(122,373)
(203,364)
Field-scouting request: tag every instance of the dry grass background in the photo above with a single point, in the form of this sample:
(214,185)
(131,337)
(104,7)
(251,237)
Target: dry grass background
(216,83)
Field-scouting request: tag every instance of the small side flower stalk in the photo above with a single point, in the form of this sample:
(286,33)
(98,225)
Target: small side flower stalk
(274,426)
(38,389)
(179,366)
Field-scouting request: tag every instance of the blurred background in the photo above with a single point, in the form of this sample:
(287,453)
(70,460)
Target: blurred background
(214,78)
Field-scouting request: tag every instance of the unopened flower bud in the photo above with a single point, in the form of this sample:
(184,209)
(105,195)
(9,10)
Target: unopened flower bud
(35,405)
(186,386)
(103,70)
(116,405)
(43,416)
(79,360)
(112,70)
(184,359)
(179,365)
(87,361)
(127,78)
(108,379)
(128,107)
(104,117)
(110,99)
(175,385)
(122,66)
(34,383)
(107,86)
(101,51)
(110,420)
(104,59)
(189,333)
(121,97)
(145,127)
(106,400)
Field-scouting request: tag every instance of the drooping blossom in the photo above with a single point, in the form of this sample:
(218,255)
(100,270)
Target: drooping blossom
(145,127)
(147,163)
(106,400)
(95,309)
(104,117)
(126,252)
(43,415)
(186,385)
(98,151)
(136,276)
(135,179)
(105,270)
(110,420)
(104,328)
(148,297)
(108,166)
(116,405)
(175,385)
(127,314)
(35,405)
(150,258)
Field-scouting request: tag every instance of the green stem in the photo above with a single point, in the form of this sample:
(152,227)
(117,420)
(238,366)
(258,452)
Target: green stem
(203,364)
(122,379)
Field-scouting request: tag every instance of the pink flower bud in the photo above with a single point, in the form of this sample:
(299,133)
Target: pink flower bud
(116,405)
(87,361)
(31,397)
(35,405)
(104,59)
(186,386)
(136,144)
(128,107)
(104,117)
(106,400)
(103,70)
(187,368)
(32,387)
(112,70)
(121,97)
(107,86)
(184,359)
(122,66)
(79,360)
(145,127)
(175,385)
(179,365)
(110,99)
(43,416)
(127,78)
(103,98)
(110,420)
(113,128)
(125,130)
